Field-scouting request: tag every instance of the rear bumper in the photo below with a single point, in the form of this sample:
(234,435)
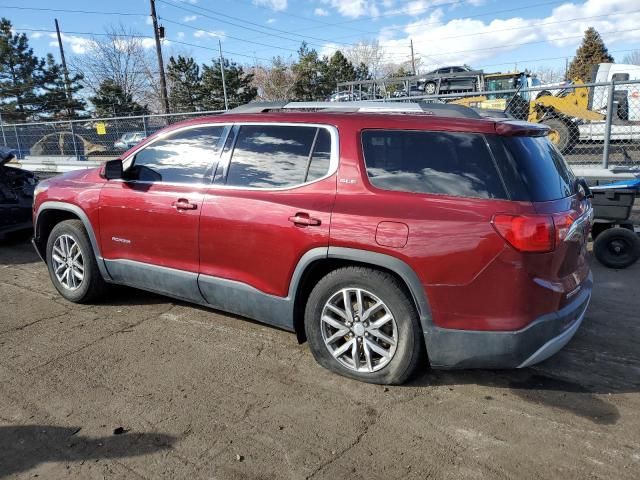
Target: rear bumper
(448,348)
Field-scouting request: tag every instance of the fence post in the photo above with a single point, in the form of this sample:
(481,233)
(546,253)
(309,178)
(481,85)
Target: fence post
(15,130)
(73,139)
(144,126)
(4,138)
(607,127)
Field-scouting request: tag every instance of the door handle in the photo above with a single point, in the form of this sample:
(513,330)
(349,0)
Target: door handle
(304,220)
(184,204)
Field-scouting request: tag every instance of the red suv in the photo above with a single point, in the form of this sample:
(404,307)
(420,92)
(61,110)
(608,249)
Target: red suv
(387,235)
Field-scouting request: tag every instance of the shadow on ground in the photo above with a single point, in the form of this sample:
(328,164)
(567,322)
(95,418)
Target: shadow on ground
(532,386)
(16,249)
(24,447)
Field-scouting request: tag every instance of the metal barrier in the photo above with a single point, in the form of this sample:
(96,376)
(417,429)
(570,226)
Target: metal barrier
(81,140)
(595,125)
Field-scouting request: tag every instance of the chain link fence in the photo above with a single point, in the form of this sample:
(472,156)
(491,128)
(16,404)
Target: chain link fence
(91,139)
(578,116)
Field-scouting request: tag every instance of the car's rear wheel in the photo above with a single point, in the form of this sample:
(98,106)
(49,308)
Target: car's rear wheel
(360,323)
(72,264)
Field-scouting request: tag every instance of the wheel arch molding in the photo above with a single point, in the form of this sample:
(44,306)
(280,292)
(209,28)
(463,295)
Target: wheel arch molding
(49,207)
(323,260)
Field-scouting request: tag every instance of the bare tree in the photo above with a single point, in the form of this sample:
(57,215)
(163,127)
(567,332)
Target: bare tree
(119,56)
(547,74)
(369,53)
(632,58)
(276,81)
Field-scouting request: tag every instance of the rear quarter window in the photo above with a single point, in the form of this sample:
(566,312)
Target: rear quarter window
(533,167)
(444,163)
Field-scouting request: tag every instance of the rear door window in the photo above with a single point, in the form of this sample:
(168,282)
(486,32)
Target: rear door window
(443,163)
(277,156)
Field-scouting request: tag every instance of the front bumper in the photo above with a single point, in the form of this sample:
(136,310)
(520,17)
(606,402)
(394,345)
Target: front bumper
(545,336)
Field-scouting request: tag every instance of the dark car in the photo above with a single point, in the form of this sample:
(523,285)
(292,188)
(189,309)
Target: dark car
(449,79)
(388,235)
(16,195)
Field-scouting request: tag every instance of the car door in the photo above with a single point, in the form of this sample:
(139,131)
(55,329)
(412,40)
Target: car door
(149,220)
(269,205)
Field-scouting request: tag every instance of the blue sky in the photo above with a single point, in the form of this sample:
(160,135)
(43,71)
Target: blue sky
(490,34)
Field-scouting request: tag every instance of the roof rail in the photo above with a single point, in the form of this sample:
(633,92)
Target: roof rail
(439,109)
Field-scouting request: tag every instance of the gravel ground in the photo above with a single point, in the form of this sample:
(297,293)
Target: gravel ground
(145,387)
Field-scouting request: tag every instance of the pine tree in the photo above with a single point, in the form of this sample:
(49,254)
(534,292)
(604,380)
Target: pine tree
(111,101)
(308,83)
(55,100)
(238,83)
(21,76)
(334,70)
(591,52)
(186,84)
(362,72)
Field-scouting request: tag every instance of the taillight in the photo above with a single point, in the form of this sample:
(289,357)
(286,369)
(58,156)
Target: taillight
(534,233)
(527,233)
(563,222)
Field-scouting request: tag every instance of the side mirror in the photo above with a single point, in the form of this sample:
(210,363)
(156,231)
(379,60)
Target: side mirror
(113,170)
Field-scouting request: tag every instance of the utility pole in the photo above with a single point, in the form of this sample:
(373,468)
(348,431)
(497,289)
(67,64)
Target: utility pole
(224,84)
(413,58)
(67,88)
(163,81)
(65,72)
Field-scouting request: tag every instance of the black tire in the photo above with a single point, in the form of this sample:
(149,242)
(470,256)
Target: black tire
(617,248)
(92,285)
(409,351)
(567,135)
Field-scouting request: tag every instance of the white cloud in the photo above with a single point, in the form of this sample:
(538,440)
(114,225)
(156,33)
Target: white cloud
(469,41)
(275,5)
(321,12)
(148,20)
(35,35)
(180,35)
(354,8)
(271,20)
(204,33)
(190,18)
(79,45)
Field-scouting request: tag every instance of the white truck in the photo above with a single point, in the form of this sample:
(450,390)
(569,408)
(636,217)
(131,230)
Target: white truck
(626,119)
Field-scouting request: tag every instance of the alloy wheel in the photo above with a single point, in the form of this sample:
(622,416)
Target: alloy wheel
(68,262)
(359,330)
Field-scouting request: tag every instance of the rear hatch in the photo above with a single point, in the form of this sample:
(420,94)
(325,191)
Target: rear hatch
(535,171)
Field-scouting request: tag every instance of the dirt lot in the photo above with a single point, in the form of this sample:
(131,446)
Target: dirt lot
(205,395)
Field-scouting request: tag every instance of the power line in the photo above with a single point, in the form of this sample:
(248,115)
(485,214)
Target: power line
(529,43)
(192,27)
(536,25)
(451,3)
(249,23)
(177,42)
(65,10)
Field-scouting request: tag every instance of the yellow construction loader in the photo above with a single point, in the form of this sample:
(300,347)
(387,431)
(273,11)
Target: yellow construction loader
(559,112)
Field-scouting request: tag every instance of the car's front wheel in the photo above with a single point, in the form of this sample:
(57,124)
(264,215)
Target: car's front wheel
(360,323)
(72,264)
